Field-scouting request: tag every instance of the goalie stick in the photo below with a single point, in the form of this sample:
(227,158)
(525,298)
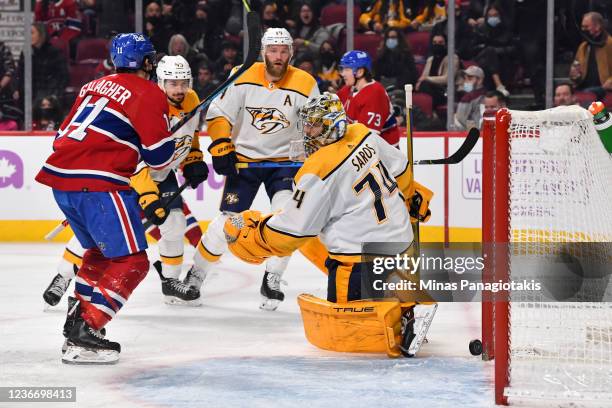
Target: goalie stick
(254,35)
(461,153)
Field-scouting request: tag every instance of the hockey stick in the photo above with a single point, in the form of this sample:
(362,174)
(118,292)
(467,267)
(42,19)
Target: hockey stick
(461,153)
(254,32)
(468,144)
(55,231)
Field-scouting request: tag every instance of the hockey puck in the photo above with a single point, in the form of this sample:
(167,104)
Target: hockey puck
(476,347)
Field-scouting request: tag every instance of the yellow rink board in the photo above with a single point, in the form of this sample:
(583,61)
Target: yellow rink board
(34,231)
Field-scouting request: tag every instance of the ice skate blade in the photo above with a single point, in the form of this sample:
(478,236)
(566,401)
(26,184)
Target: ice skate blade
(84,356)
(269,305)
(174,301)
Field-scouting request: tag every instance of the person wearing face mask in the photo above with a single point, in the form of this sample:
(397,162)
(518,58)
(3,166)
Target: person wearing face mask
(592,68)
(47,114)
(494,49)
(308,34)
(155,27)
(328,73)
(435,73)
(395,63)
(468,109)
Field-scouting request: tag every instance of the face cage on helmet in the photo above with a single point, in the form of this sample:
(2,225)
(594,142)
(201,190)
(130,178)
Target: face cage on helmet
(329,132)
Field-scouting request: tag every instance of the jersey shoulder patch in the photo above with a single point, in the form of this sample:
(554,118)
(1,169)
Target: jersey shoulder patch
(329,158)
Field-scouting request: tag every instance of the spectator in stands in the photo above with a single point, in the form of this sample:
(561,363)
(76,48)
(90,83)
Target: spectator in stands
(307,63)
(155,27)
(494,48)
(308,34)
(564,95)
(227,60)
(47,114)
(492,102)
(328,73)
(204,35)
(269,18)
(382,14)
(7,71)
(592,69)
(49,67)
(435,73)
(464,33)
(395,63)
(468,109)
(62,18)
(178,45)
(426,13)
(205,83)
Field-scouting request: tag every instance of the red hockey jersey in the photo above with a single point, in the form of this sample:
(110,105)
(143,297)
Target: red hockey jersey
(61,18)
(372,107)
(115,121)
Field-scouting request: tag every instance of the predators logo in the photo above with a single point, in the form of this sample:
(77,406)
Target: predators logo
(268,120)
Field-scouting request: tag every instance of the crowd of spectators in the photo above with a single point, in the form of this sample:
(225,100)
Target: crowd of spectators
(500,49)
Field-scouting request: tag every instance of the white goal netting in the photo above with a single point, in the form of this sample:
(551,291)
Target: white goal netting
(560,192)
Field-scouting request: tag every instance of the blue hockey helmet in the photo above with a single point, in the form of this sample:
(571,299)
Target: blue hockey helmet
(356,59)
(128,50)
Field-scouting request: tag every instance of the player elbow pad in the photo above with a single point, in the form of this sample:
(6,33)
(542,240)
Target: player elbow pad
(221,147)
(142,182)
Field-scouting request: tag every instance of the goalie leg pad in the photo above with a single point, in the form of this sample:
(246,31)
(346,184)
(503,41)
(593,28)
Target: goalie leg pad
(359,327)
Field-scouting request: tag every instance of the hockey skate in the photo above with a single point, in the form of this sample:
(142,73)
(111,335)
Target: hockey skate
(88,346)
(415,324)
(176,292)
(195,277)
(270,291)
(74,311)
(56,289)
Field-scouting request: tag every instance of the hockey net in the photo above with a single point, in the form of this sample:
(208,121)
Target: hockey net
(546,179)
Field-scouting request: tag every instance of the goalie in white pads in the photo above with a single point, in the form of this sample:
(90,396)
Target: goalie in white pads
(255,120)
(353,187)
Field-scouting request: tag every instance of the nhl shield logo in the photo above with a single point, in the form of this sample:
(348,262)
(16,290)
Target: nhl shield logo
(268,120)
(231,198)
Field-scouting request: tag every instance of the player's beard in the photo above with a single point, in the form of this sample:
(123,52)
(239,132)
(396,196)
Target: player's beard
(177,101)
(275,71)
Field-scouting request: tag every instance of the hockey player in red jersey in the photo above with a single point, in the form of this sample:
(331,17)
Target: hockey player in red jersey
(365,100)
(115,121)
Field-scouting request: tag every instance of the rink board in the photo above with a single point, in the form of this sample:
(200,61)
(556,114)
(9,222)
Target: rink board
(28,210)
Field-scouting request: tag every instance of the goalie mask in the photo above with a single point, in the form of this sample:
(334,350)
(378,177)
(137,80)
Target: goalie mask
(321,121)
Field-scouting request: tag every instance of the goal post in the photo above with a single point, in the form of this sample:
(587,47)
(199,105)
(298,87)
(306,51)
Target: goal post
(547,184)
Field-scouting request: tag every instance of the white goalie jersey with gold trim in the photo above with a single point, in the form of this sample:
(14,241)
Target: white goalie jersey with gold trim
(263,115)
(347,193)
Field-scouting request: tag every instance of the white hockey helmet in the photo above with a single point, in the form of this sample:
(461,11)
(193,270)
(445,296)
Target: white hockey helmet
(276,36)
(173,67)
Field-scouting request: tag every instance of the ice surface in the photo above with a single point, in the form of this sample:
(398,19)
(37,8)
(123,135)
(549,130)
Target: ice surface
(227,353)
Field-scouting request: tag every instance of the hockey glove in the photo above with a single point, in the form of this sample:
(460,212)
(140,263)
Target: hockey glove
(224,157)
(244,239)
(153,207)
(419,204)
(195,170)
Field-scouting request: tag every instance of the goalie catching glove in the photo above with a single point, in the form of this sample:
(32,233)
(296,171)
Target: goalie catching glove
(153,207)
(418,204)
(224,156)
(195,170)
(243,236)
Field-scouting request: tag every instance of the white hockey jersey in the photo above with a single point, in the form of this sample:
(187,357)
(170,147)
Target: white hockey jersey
(347,193)
(262,114)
